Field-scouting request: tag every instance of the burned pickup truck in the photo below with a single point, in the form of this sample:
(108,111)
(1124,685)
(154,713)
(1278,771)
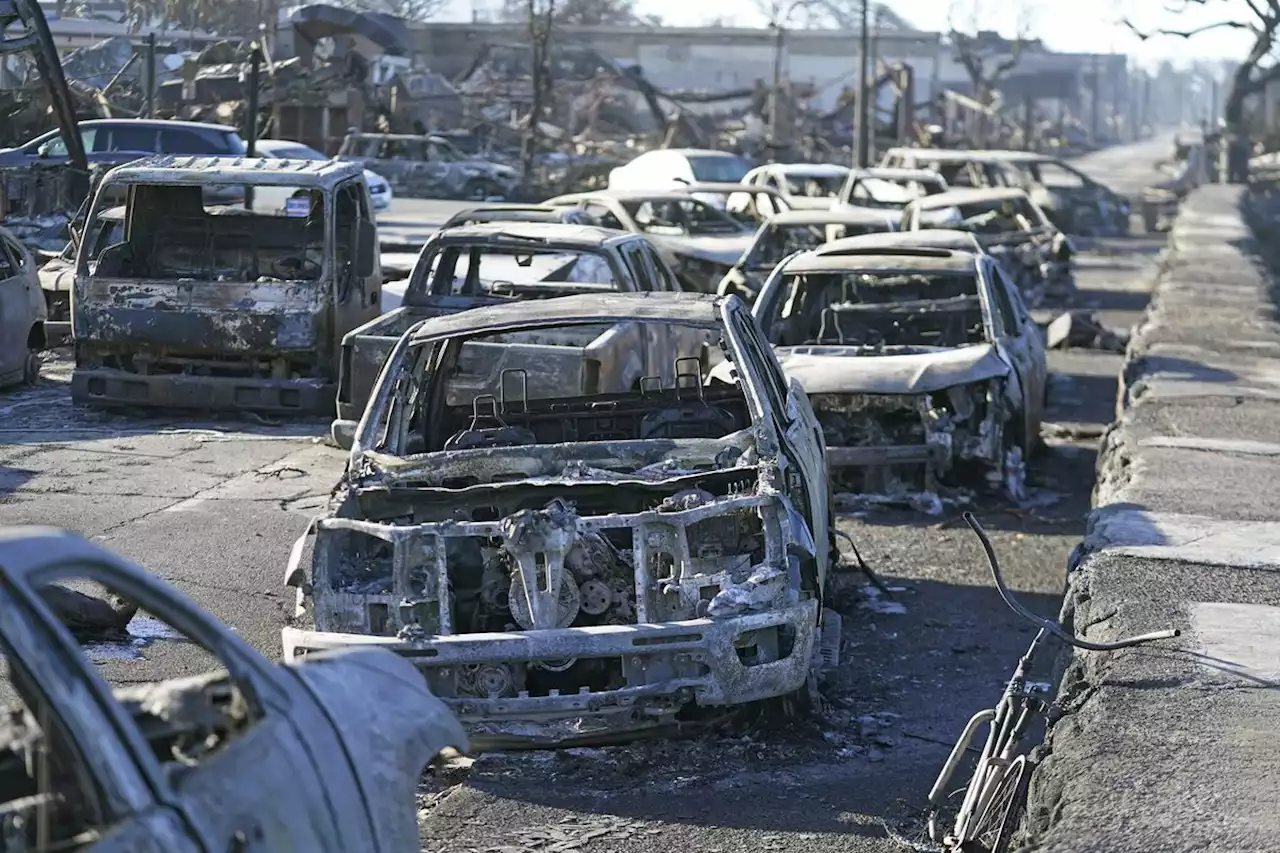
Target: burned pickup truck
(919,363)
(223,306)
(461,268)
(567,563)
(1012,228)
(239,753)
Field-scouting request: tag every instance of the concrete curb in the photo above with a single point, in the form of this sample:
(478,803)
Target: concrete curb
(1171,747)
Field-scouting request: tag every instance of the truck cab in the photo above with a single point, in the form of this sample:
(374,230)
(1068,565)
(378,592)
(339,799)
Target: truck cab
(224,306)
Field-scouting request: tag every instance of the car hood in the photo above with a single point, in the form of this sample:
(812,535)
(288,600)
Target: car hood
(725,250)
(920,370)
(389,741)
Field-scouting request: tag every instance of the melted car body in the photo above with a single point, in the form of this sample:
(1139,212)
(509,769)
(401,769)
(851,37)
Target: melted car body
(913,358)
(566,563)
(324,757)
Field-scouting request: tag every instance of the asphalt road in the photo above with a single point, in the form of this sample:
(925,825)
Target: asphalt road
(214,506)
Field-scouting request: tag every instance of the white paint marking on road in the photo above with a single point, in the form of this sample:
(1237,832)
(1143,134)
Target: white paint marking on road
(1191,538)
(1213,445)
(1239,639)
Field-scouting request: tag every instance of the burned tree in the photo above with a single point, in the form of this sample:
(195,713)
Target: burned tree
(985,55)
(1261,20)
(589,13)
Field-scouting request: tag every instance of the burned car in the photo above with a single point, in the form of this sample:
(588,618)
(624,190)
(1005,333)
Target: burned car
(232,307)
(749,205)
(796,231)
(1073,201)
(22,314)
(428,166)
(918,363)
(250,754)
(466,267)
(563,563)
(959,167)
(58,272)
(887,188)
(811,186)
(519,213)
(1012,228)
(698,240)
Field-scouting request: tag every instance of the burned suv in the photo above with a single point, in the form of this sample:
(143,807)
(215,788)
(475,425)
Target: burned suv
(564,565)
(224,306)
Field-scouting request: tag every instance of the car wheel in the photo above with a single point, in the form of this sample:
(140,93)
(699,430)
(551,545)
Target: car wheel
(31,368)
(478,189)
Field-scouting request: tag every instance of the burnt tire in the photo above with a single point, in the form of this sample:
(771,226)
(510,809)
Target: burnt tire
(31,368)
(477,189)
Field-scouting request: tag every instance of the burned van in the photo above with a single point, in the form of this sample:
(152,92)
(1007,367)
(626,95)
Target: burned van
(225,306)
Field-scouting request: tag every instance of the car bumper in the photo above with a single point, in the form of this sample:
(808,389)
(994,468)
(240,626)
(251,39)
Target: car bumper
(381,201)
(276,396)
(666,666)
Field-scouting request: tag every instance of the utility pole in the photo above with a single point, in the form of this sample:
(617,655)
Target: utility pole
(775,93)
(864,88)
(151,75)
(251,120)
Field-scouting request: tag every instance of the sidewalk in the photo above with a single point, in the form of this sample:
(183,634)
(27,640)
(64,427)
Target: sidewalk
(1175,746)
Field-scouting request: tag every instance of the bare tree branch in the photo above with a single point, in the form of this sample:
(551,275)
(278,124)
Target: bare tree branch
(1185,34)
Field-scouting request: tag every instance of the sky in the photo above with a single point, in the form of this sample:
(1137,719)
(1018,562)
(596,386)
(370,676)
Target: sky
(1066,25)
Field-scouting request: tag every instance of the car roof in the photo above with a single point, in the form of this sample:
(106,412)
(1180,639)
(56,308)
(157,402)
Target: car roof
(830,169)
(627,195)
(941,238)
(158,122)
(833,258)
(828,216)
(696,309)
(724,187)
(188,169)
(944,154)
(697,152)
(954,198)
(551,233)
(272,143)
(889,173)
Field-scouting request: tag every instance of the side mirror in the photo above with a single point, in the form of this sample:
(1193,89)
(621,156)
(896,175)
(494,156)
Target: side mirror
(343,433)
(366,248)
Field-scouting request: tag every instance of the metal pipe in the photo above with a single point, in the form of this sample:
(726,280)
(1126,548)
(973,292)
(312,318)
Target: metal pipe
(864,85)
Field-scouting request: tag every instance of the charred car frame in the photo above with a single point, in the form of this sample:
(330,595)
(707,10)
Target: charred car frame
(911,356)
(224,307)
(562,566)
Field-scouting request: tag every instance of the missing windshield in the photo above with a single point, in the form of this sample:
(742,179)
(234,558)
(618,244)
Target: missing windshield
(880,309)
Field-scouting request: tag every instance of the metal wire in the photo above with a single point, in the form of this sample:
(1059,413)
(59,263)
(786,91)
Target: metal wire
(1050,625)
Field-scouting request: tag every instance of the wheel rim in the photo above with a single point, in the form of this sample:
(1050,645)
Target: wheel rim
(995,828)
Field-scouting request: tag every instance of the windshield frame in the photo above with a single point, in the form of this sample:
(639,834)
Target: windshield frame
(768,307)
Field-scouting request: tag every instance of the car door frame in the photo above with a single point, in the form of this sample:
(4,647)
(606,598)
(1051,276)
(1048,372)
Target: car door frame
(796,428)
(14,311)
(33,563)
(1016,347)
